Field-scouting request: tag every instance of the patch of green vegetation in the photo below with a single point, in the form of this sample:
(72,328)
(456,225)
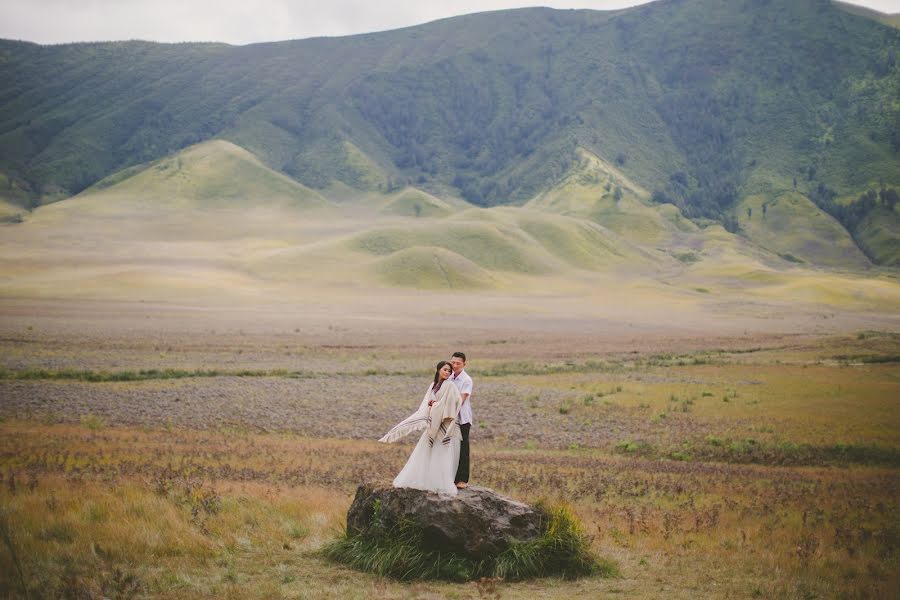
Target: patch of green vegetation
(632,447)
(398,552)
(139,375)
(867,358)
(878,233)
(402,552)
(790,258)
(749,450)
(359,170)
(12,218)
(526,368)
(92,421)
(10,212)
(687,257)
(563,550)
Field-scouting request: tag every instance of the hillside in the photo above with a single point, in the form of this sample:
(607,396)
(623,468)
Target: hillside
(697,100)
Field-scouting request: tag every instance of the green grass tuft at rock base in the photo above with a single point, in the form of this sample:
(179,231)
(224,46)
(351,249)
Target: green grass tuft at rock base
(401,552)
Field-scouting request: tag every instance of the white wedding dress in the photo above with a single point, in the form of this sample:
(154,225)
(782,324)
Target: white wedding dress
(431,467)
(433,462)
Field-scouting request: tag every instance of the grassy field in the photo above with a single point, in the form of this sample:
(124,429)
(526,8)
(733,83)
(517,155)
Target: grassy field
(724,467)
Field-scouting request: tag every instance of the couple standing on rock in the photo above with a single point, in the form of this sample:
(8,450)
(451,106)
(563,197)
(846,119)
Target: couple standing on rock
(440,461)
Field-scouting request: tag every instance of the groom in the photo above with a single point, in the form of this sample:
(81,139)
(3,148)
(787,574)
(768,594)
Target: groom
(463,383)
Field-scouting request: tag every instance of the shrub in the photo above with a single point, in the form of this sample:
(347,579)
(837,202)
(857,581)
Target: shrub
(92,421)
(630,446)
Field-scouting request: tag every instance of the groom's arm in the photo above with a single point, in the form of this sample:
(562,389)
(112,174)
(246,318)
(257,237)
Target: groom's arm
(466,391)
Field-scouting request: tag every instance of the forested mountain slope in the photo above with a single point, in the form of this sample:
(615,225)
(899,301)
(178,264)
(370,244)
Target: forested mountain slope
(700,102)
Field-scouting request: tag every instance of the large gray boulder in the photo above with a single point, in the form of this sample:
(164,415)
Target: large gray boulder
(478,522)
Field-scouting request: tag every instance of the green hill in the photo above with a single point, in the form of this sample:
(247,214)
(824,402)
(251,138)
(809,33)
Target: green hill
(432,268)
(796,229)
(879,235)
(597,190)
(215,174)
(416,203)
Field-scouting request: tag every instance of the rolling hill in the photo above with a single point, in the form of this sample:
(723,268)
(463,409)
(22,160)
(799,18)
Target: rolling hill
(213,174)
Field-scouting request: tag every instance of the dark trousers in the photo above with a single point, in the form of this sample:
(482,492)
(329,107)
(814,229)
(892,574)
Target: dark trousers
(462,472)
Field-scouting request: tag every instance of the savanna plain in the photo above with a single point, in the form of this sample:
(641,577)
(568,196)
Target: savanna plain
(159,450)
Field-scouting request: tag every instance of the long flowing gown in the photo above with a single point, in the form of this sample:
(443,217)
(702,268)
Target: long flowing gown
(433,462)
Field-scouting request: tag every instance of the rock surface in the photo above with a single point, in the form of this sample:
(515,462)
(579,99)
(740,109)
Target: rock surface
(478,522)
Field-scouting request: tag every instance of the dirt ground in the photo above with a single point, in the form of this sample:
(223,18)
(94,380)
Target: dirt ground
(349,376)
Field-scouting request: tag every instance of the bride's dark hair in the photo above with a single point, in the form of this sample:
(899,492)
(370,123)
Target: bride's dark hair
(437,375)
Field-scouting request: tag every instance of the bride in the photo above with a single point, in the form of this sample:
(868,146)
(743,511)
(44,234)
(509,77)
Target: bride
(432,464)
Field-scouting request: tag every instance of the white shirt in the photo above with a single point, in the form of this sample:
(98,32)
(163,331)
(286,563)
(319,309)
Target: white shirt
(464,384)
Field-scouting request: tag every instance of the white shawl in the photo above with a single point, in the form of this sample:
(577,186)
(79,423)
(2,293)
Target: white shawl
(439,418)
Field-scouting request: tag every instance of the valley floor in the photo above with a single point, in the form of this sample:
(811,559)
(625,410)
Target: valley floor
(170,451)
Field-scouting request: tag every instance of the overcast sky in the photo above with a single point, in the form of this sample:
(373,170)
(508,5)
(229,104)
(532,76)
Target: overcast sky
(249,21)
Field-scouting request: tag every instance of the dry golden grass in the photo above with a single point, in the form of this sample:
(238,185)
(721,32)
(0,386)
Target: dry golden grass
(93,510)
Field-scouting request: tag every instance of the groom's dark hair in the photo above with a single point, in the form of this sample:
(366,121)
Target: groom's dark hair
(461,355)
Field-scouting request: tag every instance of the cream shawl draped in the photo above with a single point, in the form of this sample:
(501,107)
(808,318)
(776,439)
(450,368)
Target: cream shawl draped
(439,418)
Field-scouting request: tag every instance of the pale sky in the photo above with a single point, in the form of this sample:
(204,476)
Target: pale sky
(250,21)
